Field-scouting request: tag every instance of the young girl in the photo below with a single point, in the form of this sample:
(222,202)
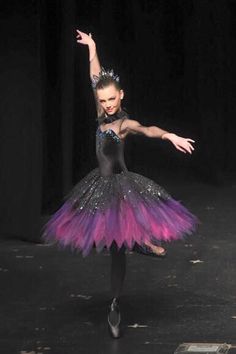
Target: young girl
(112,207)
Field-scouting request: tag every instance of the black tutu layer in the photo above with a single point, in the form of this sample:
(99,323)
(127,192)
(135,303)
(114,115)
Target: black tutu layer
(125,207)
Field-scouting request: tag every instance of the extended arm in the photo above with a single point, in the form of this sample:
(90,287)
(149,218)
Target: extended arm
(86,39)
(134,127)
(94,64)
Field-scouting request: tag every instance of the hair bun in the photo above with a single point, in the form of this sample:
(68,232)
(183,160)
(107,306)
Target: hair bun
(104,74)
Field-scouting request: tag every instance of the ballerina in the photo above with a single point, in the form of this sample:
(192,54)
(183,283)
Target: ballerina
(112,207)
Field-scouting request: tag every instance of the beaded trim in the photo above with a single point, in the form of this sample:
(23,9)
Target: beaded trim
(108,132)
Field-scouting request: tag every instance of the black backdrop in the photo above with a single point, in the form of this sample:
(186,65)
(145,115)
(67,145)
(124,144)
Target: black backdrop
(176,63)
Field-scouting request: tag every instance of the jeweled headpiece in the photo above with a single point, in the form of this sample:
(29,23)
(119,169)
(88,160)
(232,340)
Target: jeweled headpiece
(103,75)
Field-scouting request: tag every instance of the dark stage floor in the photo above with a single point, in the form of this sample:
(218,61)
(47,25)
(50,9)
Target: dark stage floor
(55,302)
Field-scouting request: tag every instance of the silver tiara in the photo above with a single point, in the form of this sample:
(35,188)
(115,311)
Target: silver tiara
(104,74)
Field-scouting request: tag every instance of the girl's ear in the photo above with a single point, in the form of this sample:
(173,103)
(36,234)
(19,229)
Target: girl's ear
(122,94)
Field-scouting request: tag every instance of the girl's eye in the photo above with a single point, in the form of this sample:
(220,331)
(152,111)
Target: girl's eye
(110,99)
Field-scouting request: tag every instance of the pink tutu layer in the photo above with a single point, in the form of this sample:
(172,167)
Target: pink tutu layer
(126,217)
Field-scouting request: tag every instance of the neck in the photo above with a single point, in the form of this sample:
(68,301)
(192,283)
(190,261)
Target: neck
(110,115)
(111,118)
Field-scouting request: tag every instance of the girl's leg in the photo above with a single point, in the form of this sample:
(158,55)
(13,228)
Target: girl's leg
(118,269)
(156,249)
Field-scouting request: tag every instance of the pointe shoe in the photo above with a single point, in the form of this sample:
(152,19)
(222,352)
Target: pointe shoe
(114,319)
(147,251)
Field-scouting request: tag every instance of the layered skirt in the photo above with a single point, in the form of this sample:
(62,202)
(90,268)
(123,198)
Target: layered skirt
(125,208)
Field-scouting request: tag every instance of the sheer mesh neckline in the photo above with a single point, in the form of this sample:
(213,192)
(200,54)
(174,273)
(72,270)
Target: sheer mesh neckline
(110,129)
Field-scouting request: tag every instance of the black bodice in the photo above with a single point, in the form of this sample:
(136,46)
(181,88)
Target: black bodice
(110,152)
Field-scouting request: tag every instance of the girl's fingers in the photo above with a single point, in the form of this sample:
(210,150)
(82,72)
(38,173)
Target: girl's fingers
(79,33)
(180,149)
(79,36)
(185,149)
(190,146)
(187,146)
(184,146)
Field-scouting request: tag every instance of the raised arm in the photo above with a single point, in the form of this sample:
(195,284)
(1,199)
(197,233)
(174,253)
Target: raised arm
(86,39)
(134,127)
(94,64)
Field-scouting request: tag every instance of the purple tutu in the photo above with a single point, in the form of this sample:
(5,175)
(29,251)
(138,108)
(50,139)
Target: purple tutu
(125,207)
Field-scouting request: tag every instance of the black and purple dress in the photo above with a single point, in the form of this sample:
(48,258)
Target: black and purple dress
(113,204)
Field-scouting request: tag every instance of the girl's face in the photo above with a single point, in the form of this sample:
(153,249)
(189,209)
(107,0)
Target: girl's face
(110,99)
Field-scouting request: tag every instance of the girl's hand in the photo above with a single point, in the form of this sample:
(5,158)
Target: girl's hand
(181,144)
(84,38)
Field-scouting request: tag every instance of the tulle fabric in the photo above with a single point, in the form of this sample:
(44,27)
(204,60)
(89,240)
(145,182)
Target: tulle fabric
(127,208)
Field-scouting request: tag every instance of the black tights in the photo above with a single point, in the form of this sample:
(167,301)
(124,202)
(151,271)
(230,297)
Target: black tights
(118,269)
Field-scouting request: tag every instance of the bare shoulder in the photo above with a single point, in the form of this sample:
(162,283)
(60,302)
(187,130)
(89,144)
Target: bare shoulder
(130,123)
(130,126)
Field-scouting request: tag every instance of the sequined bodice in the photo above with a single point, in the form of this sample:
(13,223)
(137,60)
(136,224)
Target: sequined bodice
(110,152)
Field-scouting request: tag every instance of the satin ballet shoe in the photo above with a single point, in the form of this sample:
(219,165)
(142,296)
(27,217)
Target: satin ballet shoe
(147,251)
(114,319)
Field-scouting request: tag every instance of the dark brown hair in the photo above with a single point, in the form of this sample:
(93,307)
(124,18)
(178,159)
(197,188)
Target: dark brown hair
(106,81)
